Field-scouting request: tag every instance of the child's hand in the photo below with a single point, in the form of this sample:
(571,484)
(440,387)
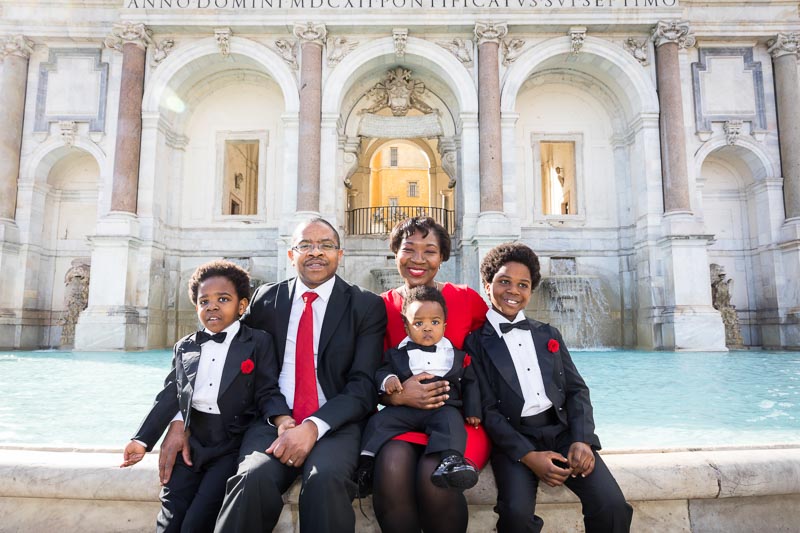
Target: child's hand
(283,423)
(543,465)
(473,421)
(393,385)
(581,459)
(133,453)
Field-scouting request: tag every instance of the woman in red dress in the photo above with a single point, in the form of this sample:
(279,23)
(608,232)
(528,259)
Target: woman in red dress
(404,498)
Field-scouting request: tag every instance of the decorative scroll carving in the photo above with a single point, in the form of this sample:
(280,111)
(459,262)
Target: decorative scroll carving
(676,31)
(351,149)
(512,48)
(459,48)
(448,150)
(162,50)
(288,51)
(732,128)
(223,37)
(577,36)
(638,49)
(782,44)
(341,47)
(490,32)
(68,129)
(398,92)
(400,36)
(129,32)
(310,33)
(16,45)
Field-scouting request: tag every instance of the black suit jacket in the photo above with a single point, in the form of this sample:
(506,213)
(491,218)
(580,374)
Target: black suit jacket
(502,394)
(464,388)
(350,346)
(241,398)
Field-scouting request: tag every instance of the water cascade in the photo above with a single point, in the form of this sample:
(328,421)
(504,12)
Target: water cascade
(573,303)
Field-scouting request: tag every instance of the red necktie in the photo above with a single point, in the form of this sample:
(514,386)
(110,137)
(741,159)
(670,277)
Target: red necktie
(306,400)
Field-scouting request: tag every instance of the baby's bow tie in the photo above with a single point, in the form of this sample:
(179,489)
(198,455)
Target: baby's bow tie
(410,345)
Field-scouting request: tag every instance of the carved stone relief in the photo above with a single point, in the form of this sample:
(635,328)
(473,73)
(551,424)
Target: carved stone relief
(340,47)
(459,48)
(638,49)
(223,37)
(577,36)
(161,51)
(511,48)
(400,36)
(400,93)
(287,49)
(76,298)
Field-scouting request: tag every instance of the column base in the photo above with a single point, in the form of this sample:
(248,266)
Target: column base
(691,329)
(110,328)
(491,228)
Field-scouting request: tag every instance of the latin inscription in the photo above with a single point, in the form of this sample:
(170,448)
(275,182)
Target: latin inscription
(395,4)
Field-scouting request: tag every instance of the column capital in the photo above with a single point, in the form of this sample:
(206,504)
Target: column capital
(129,32)
(310,33)
(16,45)
(783,44)
(490,32)
(674,31)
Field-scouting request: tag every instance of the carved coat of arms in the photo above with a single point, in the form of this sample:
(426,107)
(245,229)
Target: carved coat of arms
(399,93)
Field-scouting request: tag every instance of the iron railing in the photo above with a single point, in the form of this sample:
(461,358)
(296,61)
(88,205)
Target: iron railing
(380,220)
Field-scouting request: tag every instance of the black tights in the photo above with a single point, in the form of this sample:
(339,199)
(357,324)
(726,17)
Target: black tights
(405,500)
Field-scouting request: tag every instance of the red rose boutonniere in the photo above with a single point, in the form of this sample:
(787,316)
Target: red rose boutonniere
(247,366)
(553,346)
(467,361)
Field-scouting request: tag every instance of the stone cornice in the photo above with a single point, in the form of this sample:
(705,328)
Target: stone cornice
(675,31)
(129,32)
(783,44)
(490,32)
(17,46)
(310,33)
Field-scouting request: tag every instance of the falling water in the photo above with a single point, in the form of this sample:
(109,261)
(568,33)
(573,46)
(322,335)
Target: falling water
(574,303)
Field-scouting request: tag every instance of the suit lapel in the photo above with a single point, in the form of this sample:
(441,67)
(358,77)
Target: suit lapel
(401,362)
(335,310)
(283,305)
(241,348)
(545,358)
(501,357)
(190,358)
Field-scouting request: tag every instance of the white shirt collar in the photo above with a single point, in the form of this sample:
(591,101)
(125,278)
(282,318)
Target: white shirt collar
(231,331)
(323,291)
(495,319)
(442,344)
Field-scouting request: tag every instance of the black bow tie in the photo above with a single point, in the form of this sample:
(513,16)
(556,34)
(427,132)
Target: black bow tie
(410,345)
(203,337)
(522,324)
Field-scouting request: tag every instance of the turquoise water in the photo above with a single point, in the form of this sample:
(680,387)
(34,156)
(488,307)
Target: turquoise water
(641,399)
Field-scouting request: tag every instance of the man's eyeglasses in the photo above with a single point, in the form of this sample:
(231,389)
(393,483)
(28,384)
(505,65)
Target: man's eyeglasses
(305,247)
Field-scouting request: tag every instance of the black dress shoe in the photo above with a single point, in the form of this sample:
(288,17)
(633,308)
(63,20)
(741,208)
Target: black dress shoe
(455,473)
(364,477)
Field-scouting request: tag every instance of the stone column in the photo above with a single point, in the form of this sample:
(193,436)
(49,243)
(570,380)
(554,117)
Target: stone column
(783,50)
(132,40)
(669,37)
(14,55)
(312,38)
(488,36)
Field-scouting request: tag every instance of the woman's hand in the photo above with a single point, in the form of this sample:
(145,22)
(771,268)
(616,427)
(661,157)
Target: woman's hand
(420,395)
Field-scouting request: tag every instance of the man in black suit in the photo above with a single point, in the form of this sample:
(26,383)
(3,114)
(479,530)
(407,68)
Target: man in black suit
(316,432)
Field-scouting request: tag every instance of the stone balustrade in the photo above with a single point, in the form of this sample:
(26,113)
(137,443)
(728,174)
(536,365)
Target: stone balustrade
(742,489)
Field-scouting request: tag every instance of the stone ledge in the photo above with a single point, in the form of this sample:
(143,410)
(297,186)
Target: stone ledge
(669,490)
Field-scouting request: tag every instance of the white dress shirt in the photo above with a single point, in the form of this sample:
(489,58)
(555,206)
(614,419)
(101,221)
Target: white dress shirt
(523,354)
(437,363)
(286,380)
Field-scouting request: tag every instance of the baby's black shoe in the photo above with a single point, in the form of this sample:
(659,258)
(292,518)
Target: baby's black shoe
(456,473)
(364,476)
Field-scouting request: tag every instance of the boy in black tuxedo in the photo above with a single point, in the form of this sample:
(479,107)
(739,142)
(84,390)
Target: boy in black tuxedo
(536,405)
(223,377)
(426,350)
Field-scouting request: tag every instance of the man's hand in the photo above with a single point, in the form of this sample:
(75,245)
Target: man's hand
(133,453)
(294,444)
(420,395)
(541,463)
(176,441)
(581,459)
(393,385)
(283,422)
(473,421)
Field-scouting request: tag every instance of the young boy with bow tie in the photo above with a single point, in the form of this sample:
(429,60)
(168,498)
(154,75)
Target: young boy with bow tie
(223,377)
(426,350)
